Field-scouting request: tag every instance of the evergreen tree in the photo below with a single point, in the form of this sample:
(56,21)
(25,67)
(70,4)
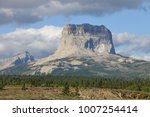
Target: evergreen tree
(2,85)
(77,90)
(66,89)
(23,87)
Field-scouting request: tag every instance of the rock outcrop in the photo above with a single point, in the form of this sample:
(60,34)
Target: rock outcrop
(85,39)
(15,60)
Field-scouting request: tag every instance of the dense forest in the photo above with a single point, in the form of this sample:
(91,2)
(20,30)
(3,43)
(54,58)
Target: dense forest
(134,84)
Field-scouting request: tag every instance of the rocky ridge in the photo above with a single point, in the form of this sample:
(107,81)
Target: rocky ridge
(15,60)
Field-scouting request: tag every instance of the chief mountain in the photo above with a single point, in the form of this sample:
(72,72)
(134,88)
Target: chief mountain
(85,50)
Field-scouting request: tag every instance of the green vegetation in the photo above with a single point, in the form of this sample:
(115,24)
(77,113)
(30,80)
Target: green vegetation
(66,89)
(23,87)
(134,84)
(71,87)
(77,91)
(2,84)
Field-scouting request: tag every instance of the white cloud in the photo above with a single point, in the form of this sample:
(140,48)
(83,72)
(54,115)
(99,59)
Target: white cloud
(2,48)
(143,57)
(40,42)
(30,11)
(132,45)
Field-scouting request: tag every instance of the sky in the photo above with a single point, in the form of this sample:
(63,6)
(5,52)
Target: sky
(36,25)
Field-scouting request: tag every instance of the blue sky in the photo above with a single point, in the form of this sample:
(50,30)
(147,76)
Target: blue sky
(132,21)
(129,21)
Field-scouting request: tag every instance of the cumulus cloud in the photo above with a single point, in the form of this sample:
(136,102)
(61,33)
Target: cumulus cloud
(39,42)
(22,3)
(132,45)
(142,57)
(30,11)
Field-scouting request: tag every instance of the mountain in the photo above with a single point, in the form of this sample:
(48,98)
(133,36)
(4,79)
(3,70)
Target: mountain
(85,39)
(16,60)
(85,50)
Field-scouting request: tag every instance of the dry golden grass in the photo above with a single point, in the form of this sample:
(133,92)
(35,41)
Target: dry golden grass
(55,93)
(33,93)
(96,93)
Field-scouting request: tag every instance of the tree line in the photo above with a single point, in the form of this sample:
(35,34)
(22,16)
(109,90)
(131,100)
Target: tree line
(126,83)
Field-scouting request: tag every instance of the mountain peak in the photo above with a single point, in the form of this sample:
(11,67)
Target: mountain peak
(83,29)
(23,58)
(27,52)
(17,59)
(85,38)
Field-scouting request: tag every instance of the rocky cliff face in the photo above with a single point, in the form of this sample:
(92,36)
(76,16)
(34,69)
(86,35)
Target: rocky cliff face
(15,60)
(23,58)
(85,39)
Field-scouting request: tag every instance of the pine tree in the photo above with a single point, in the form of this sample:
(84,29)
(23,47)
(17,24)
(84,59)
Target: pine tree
(23,87)
(77,91)
(66,89)
(2,85)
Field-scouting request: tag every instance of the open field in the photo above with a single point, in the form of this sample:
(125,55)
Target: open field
(56,93)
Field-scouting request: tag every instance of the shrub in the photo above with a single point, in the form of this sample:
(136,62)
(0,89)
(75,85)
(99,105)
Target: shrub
(24,87)
(77,91)
(66,89)
(2,85)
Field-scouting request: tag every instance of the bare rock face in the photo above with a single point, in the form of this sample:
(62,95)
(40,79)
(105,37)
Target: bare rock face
(15,60)
(85,39)
(23,58)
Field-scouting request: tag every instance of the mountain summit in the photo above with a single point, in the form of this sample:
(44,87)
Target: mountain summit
(85,50)
(15,60)
(85,39)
